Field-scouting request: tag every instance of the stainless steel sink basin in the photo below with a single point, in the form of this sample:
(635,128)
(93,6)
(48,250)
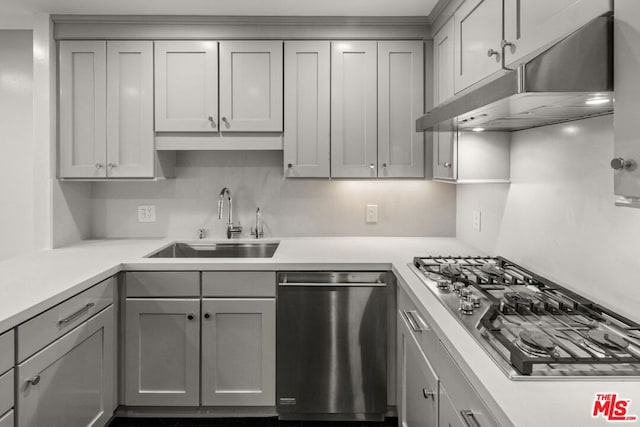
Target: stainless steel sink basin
(218,250)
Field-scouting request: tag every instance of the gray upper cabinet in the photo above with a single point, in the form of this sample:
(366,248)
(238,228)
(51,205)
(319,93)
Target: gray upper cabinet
(83,103)
(477,34)
(627,93)
(306,109)
(130,142)
(354,130)
(106,110)
(186,86)
(443,63)
(251,86)
(530,27)
(400,103)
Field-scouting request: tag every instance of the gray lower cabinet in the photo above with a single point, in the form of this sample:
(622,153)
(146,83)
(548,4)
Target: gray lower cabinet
(238,351)
(70,383)
(7,420)
(162,352)
(448,415)
(418,382)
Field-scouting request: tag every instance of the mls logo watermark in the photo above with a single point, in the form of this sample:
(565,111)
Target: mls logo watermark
(612,408)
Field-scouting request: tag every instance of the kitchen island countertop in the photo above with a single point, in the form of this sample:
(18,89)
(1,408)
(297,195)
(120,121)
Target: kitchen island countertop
(34,283)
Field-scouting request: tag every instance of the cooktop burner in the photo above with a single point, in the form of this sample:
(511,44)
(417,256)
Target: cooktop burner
(531,326)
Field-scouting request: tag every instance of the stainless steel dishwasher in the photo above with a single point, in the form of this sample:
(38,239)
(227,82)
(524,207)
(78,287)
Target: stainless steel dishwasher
(332,345)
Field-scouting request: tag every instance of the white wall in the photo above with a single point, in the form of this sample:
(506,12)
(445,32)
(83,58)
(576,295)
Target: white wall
(558,217)
(16,148)
(290,207)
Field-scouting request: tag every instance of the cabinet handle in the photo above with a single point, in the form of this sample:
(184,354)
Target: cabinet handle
(621,164)
(469,418)
(191,316)
(429,394)
(34,380)
(492,52)
(98,165)
(413,322)
(76,314)
(207,315)
(447,164)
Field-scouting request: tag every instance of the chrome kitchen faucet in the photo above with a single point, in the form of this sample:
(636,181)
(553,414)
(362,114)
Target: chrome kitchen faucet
(231,229)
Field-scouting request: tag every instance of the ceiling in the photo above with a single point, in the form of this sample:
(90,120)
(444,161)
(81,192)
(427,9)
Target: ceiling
(223,7)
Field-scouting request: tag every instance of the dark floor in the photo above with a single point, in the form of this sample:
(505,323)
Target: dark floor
(241,422)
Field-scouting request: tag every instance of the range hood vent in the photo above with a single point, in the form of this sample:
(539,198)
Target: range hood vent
(571,80)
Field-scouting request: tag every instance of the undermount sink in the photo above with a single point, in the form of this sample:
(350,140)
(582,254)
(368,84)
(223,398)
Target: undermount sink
(218,250)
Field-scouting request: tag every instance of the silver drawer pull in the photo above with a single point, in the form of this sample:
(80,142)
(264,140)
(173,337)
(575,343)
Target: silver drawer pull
(469,418)
(413,321)
(34,380)
(76,314)
(426,393)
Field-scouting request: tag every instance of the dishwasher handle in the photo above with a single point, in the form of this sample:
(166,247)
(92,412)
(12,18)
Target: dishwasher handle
(335,285)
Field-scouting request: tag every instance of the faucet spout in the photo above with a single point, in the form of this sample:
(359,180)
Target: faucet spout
(231,229)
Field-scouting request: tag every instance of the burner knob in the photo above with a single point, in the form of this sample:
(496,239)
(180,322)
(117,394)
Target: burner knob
(457,287)
(475,300)
(466,307)
(443,284)
(465,293)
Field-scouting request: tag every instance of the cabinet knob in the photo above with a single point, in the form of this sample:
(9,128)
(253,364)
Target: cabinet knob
(210,118)
(492,52)
(207,316)
(621,164)
(34,380)
(224,119)
(447,164)
(428,394)
(111,165)
(289,165)
(98,165)
(384,165)
(372,166)
(191,316)
(505,44)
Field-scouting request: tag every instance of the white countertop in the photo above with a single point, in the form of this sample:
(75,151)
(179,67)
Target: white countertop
(32,284)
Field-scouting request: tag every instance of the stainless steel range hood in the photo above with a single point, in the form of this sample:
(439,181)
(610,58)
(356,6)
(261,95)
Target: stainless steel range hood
(571,80)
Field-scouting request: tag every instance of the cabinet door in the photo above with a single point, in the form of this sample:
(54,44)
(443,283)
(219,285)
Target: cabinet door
(448,415)
(400,103)
(354,128)
(445,150)
(186,86)
(239,352)
(130,139)
(443,64)
(418,383)
(83,101)
(162,352)
(251,86)
(533,26)
(71,382)
(477,35)
(306,109)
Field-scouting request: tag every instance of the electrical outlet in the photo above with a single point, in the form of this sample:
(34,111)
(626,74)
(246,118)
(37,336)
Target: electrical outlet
(372,214)
(477,221)
(147,213)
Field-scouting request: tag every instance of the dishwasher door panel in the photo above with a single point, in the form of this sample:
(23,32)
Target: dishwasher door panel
(331,351)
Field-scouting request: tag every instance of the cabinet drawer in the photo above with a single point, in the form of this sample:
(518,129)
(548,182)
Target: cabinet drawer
(7,351)
(57,321)
(423,332)
(7,420)
(466,401)
(239,284)
(6,392)
(158,284)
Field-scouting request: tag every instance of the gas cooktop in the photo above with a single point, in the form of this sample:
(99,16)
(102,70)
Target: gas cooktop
(532,327)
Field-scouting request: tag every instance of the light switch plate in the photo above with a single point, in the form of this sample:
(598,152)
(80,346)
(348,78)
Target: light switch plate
(372,214)
(477,221)
(147,213)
